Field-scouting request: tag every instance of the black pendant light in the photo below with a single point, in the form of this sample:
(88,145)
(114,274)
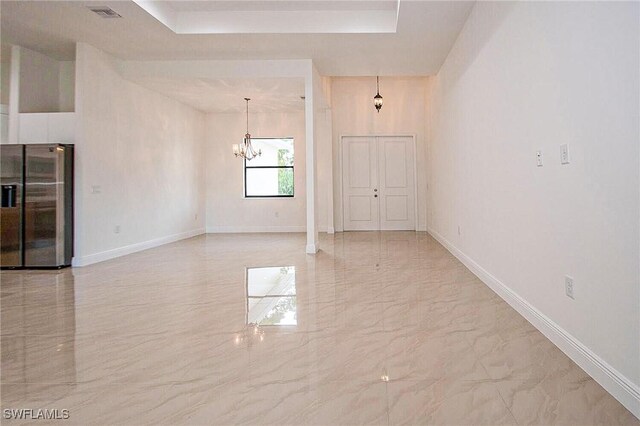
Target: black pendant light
(377,99)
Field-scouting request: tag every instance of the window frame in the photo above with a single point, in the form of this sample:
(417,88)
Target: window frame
(271,167)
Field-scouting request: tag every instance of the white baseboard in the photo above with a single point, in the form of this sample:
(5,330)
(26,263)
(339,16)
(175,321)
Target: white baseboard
(618,385)
(242,229)
(122,251)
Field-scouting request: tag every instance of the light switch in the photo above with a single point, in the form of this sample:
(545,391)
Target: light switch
(96,189)
(564,154)
(539,160)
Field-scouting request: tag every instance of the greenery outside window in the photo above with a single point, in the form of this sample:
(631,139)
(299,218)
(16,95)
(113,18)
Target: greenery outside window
(271,174)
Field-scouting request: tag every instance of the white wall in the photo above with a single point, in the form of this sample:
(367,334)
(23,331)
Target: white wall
(5,72)
(403,113)
(39,82)
(66,86)
(227,209)
(46,85)
(139,163)
(527,76)
(5,80)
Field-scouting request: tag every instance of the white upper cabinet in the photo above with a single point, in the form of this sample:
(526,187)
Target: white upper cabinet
(55,127)
(34,128)
(62,127)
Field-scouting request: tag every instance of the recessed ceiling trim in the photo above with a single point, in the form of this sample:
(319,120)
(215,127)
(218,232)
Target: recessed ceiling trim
(287,22)
(325,21)
(162,11)
(426,30)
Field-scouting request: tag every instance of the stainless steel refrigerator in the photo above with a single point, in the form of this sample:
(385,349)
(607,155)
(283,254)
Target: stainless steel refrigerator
(36,214)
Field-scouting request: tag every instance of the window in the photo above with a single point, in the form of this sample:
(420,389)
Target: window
(271,174)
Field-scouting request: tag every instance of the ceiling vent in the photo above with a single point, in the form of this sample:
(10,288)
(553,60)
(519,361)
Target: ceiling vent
(104,12)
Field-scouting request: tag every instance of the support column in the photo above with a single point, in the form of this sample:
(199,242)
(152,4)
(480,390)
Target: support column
(329,142)
(310,83)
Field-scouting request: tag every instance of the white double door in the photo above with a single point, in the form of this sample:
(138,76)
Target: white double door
(378,183)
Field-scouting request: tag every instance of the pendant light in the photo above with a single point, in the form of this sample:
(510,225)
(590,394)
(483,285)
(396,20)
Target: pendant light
(245,150)
(377,99)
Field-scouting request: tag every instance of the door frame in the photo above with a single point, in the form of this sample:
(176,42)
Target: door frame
(415,171)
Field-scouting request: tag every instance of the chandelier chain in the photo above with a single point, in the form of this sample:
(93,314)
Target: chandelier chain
(246,150)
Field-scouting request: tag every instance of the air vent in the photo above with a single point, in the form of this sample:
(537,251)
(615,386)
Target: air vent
(104,12)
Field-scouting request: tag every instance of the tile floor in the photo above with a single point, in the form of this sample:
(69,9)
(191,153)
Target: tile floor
(378,328)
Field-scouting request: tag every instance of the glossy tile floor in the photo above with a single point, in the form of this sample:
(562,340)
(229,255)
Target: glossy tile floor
(378,328)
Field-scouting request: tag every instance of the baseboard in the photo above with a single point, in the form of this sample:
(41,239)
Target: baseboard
(122,251)
(618,385)
(243,229)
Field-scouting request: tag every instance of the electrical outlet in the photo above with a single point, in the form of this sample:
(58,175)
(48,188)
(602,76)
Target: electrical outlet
(539,160)
(459,230)
(96,189)
(116,229)
(195,216)
(568,286)
(564,154)
(277,214)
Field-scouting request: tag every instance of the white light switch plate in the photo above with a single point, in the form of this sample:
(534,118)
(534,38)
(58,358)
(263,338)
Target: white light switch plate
(564,154)
(568,286)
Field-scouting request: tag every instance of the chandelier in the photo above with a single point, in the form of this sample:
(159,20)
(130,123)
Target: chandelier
(245,150)
(377,99)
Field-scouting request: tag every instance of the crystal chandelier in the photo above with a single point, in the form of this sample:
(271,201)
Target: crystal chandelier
(245,150)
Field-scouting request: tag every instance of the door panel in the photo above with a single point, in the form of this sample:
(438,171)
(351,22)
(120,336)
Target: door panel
(359,179)
(397,207)
(360,164)
(42,217)
(394,163)
(378,183)
(360,208)
(397,186)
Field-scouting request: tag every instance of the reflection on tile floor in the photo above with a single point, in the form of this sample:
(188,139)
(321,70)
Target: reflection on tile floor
(386,328)
(271,297)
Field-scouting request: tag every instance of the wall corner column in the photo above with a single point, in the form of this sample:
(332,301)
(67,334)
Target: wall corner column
(311,104)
